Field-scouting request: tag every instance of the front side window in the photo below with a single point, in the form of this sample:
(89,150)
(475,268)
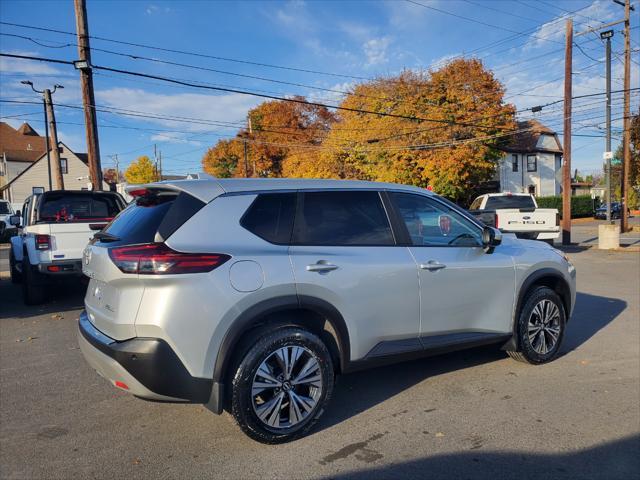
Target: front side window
(270,217)
(532,163)
(514,163)
(340,218)
(431,223)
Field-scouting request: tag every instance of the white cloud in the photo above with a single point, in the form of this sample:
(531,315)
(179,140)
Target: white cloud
(556,28)
(375,50)
(221,108)
(28,67)
(175,137)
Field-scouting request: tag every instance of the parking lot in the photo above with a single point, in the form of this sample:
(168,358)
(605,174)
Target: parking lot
(463,415)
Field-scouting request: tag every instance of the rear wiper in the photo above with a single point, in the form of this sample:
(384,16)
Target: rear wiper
(106,237)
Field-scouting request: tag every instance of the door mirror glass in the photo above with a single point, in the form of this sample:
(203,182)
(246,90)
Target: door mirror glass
(491,237)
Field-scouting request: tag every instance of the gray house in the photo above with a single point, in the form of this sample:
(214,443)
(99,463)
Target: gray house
(532,162)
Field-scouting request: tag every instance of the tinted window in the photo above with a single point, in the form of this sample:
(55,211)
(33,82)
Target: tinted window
(432,223)
(64,207)
(4,208)
(270,216)
(139,222)
(509,201)
(342,218)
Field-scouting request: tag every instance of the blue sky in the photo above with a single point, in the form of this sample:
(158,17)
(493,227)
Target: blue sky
(522,41)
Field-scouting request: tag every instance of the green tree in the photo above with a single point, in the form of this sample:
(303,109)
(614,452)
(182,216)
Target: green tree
(141,171)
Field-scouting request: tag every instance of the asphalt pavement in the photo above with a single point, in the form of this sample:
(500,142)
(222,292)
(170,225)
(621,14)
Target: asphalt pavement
(471,414)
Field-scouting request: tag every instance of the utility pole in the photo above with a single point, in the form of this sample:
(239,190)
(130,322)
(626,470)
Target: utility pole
(607,35)
(626,141)
(57,165)
(566,172)
(88,97)
(246,160)
(48,117)
(160,164)
(117,169)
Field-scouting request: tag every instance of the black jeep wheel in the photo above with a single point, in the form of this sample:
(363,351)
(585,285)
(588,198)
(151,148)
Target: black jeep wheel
(33,292)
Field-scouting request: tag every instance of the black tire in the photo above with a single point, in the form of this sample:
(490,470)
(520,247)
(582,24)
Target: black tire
(533,351)
(244,404)
(33,293)
(16,276)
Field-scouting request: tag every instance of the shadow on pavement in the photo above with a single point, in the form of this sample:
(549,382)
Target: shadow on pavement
(358,392)
(613,460)
(591,314)
(67,294)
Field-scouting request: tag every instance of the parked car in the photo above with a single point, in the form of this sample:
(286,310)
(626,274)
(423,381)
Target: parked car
(517,213)
(251,294)
(6,210)
(616,210)
(55,227)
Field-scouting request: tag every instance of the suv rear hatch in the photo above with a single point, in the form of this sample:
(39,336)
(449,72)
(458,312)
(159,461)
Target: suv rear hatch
(132,246)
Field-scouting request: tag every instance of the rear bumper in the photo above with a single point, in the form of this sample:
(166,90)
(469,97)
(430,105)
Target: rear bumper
(147,366)
(61,267)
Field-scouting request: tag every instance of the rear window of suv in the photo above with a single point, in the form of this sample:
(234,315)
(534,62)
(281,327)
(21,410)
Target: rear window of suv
(160,212)
(509,201)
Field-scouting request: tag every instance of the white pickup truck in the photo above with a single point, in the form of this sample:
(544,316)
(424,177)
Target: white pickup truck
(54,228)
(517,213)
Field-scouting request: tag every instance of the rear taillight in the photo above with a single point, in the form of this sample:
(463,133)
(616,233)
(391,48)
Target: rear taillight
(43,242)
(497,221)
(159,259)
(558,219)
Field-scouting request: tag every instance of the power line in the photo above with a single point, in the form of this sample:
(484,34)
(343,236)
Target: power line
(195,54)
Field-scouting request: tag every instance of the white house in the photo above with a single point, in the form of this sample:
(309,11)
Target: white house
(532,162)
(24,169)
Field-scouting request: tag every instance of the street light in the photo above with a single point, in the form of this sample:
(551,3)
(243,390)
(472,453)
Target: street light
(46,123)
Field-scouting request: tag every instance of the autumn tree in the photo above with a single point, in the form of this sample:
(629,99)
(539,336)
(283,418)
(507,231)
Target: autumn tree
(277,129)
(141,171)
(447,128)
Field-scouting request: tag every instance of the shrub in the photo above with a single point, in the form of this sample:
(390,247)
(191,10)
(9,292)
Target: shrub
(581,205)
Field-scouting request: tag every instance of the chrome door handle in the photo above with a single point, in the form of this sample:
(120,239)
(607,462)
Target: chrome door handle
(321,267)
(432,265)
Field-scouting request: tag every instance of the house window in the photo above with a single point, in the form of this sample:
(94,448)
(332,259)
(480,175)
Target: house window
(514,163)
(532,163)
(63,165)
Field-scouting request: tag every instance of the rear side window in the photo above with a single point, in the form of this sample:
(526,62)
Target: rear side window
(510,201)
(270,217)
(77,207)
(342,218)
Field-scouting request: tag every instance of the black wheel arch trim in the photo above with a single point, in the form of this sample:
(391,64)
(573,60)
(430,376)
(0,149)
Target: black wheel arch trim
(252,316)
(532,279)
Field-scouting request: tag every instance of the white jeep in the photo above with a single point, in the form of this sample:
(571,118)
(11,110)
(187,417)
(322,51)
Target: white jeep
(54,228)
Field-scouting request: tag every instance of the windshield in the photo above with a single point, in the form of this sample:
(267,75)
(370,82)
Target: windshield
(4,208)
(510,201)
(78,207)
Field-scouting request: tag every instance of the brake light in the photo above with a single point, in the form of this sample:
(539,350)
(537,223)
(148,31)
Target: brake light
(140,192)
(497,221)
(159,259)
(558,219)
(43,242)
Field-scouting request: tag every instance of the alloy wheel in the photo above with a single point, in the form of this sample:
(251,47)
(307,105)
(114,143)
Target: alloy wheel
(544,327)
(287,387)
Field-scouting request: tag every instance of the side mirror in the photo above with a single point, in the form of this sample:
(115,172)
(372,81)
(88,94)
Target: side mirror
(14,220)
(491,238)
(18,213)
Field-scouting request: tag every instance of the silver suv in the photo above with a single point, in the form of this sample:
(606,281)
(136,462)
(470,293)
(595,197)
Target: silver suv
(251,294)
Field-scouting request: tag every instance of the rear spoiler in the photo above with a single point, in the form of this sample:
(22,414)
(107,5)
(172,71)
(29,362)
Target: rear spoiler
(201,186)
